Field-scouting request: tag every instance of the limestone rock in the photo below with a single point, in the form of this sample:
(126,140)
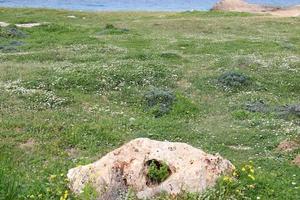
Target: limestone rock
(241,6)
(28,25)
(191,169)
(4,24)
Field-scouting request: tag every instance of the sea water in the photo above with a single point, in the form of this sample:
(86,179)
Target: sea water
(117,5)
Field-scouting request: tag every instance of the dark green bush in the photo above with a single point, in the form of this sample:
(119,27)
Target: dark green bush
(288,111)
(159,101)
(109,26)
(11,32)
(258,106)
(110,29)
(234,80)
(170,55)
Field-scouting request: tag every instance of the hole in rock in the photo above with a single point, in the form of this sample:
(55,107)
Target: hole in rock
(156,172)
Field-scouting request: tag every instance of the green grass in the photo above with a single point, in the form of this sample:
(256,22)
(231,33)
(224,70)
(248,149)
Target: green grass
(74,90)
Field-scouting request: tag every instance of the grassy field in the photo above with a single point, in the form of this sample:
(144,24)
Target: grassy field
(73,89)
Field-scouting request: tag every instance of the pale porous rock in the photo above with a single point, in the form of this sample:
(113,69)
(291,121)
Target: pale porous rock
(28,25)
(191,169)
(4,24)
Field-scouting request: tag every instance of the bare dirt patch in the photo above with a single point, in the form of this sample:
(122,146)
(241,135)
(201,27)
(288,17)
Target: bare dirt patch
(288,146)
(296,161)
(28,145)
(73,152)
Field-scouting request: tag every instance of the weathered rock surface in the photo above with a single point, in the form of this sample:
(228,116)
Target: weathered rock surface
(191,169)
(243,6)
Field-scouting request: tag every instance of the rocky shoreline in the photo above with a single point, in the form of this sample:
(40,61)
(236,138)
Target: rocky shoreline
(243,6)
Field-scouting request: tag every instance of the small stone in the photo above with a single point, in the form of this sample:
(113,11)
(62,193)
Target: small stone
(4,24)
(28,25)
(131,119)
(71,16)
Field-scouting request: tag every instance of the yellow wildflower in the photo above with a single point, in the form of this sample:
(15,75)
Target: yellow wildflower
(65,195)
(235,174)
(53,176)
(251,176)
(227,179)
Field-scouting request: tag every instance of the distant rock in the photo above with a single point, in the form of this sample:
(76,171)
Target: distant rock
(4,24)
(190,169)
(72,16)
(28,25)
(243,6)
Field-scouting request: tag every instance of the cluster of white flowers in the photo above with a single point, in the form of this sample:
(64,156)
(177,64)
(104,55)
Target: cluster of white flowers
(38,97)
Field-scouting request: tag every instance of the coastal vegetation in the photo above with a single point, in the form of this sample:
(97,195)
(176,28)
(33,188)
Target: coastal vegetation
(74,88)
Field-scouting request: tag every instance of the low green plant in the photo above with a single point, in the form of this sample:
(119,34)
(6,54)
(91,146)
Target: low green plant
(170,55)
(159,101)
(11,32)
(110,29)
(89,192)
(157,172)
(109,26)
(233,80)
(8,186)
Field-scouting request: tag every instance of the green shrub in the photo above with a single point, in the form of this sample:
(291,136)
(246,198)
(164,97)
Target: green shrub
(288,111)
(159,101)
(110,29)
(89,192)
(233,80)
(170,55)
(258,106)
(11,32)
(240,114)
(109,26)
(157,172)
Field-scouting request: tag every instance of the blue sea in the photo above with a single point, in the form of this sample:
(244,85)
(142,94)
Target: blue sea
(125,5)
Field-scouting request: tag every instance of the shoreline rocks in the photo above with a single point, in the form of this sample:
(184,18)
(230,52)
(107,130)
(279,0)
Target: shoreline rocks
(243,6)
